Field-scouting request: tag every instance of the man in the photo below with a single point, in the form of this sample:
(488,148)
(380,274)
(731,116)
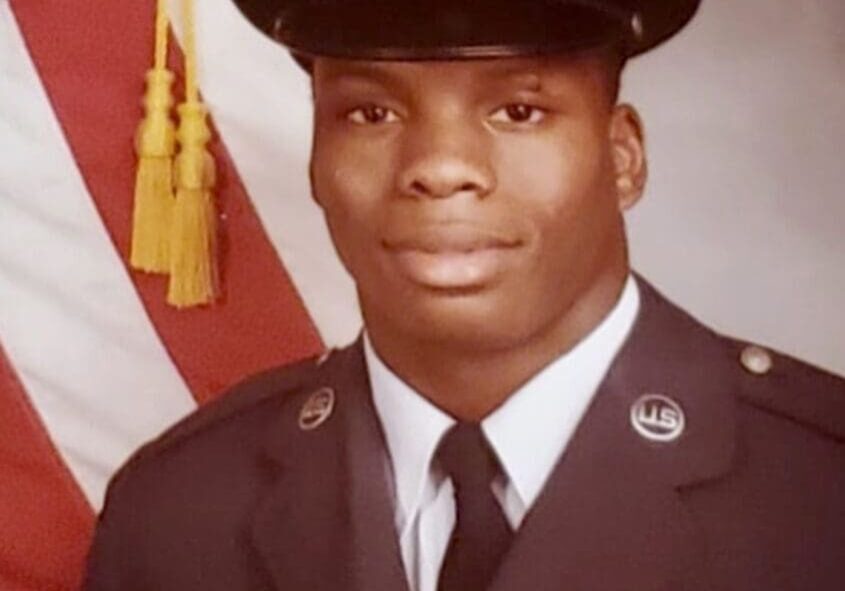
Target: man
(521,412)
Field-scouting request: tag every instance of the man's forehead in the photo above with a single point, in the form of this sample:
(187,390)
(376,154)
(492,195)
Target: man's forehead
(526,71)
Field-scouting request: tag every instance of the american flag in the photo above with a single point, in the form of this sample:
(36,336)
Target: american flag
(93,362)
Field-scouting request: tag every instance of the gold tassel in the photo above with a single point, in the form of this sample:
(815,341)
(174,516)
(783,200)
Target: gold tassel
(193,269)
(154,144)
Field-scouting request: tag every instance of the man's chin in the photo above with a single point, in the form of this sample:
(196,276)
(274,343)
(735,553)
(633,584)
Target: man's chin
(463,319)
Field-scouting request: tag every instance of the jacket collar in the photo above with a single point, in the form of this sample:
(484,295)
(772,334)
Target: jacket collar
(325,520)
(611,515)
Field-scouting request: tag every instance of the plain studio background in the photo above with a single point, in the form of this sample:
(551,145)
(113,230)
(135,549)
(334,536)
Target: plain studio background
(744,216)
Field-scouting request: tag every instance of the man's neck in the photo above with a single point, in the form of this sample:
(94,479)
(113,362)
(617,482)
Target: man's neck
(471,382)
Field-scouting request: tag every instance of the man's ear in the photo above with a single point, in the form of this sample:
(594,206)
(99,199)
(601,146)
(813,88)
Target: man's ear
(627,143)
(314,196)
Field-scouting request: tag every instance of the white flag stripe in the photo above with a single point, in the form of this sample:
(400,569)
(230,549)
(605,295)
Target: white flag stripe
(70,319)
(260,101)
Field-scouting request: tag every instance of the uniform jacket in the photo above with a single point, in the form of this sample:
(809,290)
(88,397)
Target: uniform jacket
(750,496)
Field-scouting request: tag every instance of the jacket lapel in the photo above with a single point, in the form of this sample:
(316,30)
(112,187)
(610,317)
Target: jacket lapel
(376,556)
(612,515)
(324,521)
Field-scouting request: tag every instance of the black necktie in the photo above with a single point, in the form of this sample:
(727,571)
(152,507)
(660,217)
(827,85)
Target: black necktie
(481,535)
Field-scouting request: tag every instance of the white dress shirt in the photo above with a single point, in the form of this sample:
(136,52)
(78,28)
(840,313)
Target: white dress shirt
(529,432)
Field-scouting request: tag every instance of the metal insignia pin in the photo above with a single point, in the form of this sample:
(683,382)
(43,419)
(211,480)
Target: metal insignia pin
(657,418)
(317,409)
(756,360)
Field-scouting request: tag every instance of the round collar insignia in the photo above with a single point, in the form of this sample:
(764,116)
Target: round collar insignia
(657,418)
(317,409)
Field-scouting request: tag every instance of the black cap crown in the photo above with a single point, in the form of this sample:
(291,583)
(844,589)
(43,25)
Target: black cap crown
(449,29)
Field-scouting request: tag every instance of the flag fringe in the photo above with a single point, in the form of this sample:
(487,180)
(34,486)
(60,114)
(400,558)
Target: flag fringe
(155,146)
(193,269)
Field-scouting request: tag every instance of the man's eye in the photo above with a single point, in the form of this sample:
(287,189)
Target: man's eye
(518,113)
(372,115)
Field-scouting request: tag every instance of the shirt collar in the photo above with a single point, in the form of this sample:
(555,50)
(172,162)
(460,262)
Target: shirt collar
(533,427)
(412,426)
(528,432)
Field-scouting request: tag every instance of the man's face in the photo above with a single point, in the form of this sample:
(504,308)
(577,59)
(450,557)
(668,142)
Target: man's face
(475,203)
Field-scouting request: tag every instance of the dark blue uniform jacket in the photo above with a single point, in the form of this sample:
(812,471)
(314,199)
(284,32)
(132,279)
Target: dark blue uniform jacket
(750,497)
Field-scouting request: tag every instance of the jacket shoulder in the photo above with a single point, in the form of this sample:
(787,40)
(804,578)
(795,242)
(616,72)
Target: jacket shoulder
(798,391)
(274,387)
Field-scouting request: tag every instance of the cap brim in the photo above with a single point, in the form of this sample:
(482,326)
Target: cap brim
(459,29)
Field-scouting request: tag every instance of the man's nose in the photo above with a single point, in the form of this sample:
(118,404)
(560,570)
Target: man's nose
(445,159)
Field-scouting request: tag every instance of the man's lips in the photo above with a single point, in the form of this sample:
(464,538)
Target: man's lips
(451,256)
(451,237)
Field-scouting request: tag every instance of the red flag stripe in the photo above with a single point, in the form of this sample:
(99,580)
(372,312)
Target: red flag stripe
(45,520)
(260,320)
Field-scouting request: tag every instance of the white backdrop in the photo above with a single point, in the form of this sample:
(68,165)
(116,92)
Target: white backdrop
(744,217)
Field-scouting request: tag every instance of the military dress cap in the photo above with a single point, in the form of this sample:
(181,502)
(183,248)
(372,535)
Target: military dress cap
(452,29)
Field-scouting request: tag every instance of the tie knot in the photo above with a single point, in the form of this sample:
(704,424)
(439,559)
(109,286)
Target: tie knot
(466,457)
